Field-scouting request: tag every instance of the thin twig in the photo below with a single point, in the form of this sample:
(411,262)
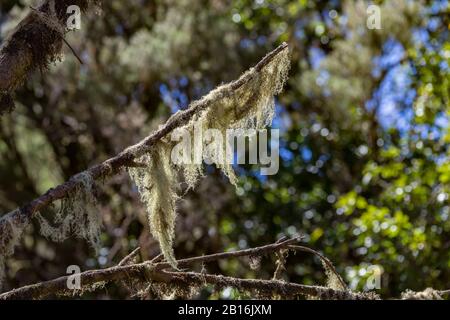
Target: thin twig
(157,258)
(283,238)
(123,230)
(323,259)
(73,50)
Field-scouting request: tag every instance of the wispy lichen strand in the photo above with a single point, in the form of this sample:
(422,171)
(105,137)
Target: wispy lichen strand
(157,186)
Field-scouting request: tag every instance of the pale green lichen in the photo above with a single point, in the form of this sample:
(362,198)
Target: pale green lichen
(251,106)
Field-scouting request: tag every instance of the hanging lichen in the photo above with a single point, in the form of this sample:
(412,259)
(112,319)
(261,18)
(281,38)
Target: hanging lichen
(12,226)
(334,281)
(427,294)
(249,106)
(77,215)
(156,184)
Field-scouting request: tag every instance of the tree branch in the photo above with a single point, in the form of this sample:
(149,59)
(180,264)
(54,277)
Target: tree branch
(32,45)
(128,156)
(155,272)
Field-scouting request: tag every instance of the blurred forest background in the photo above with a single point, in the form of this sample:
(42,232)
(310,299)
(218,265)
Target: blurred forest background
(364,120)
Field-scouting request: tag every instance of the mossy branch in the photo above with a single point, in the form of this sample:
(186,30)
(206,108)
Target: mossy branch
(157,272)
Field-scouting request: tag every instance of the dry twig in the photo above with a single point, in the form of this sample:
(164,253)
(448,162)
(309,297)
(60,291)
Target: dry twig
(35,43)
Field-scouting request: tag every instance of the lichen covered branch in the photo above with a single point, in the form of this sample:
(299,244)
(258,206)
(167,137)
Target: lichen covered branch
(158,273)
(33,45)
(272,65)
